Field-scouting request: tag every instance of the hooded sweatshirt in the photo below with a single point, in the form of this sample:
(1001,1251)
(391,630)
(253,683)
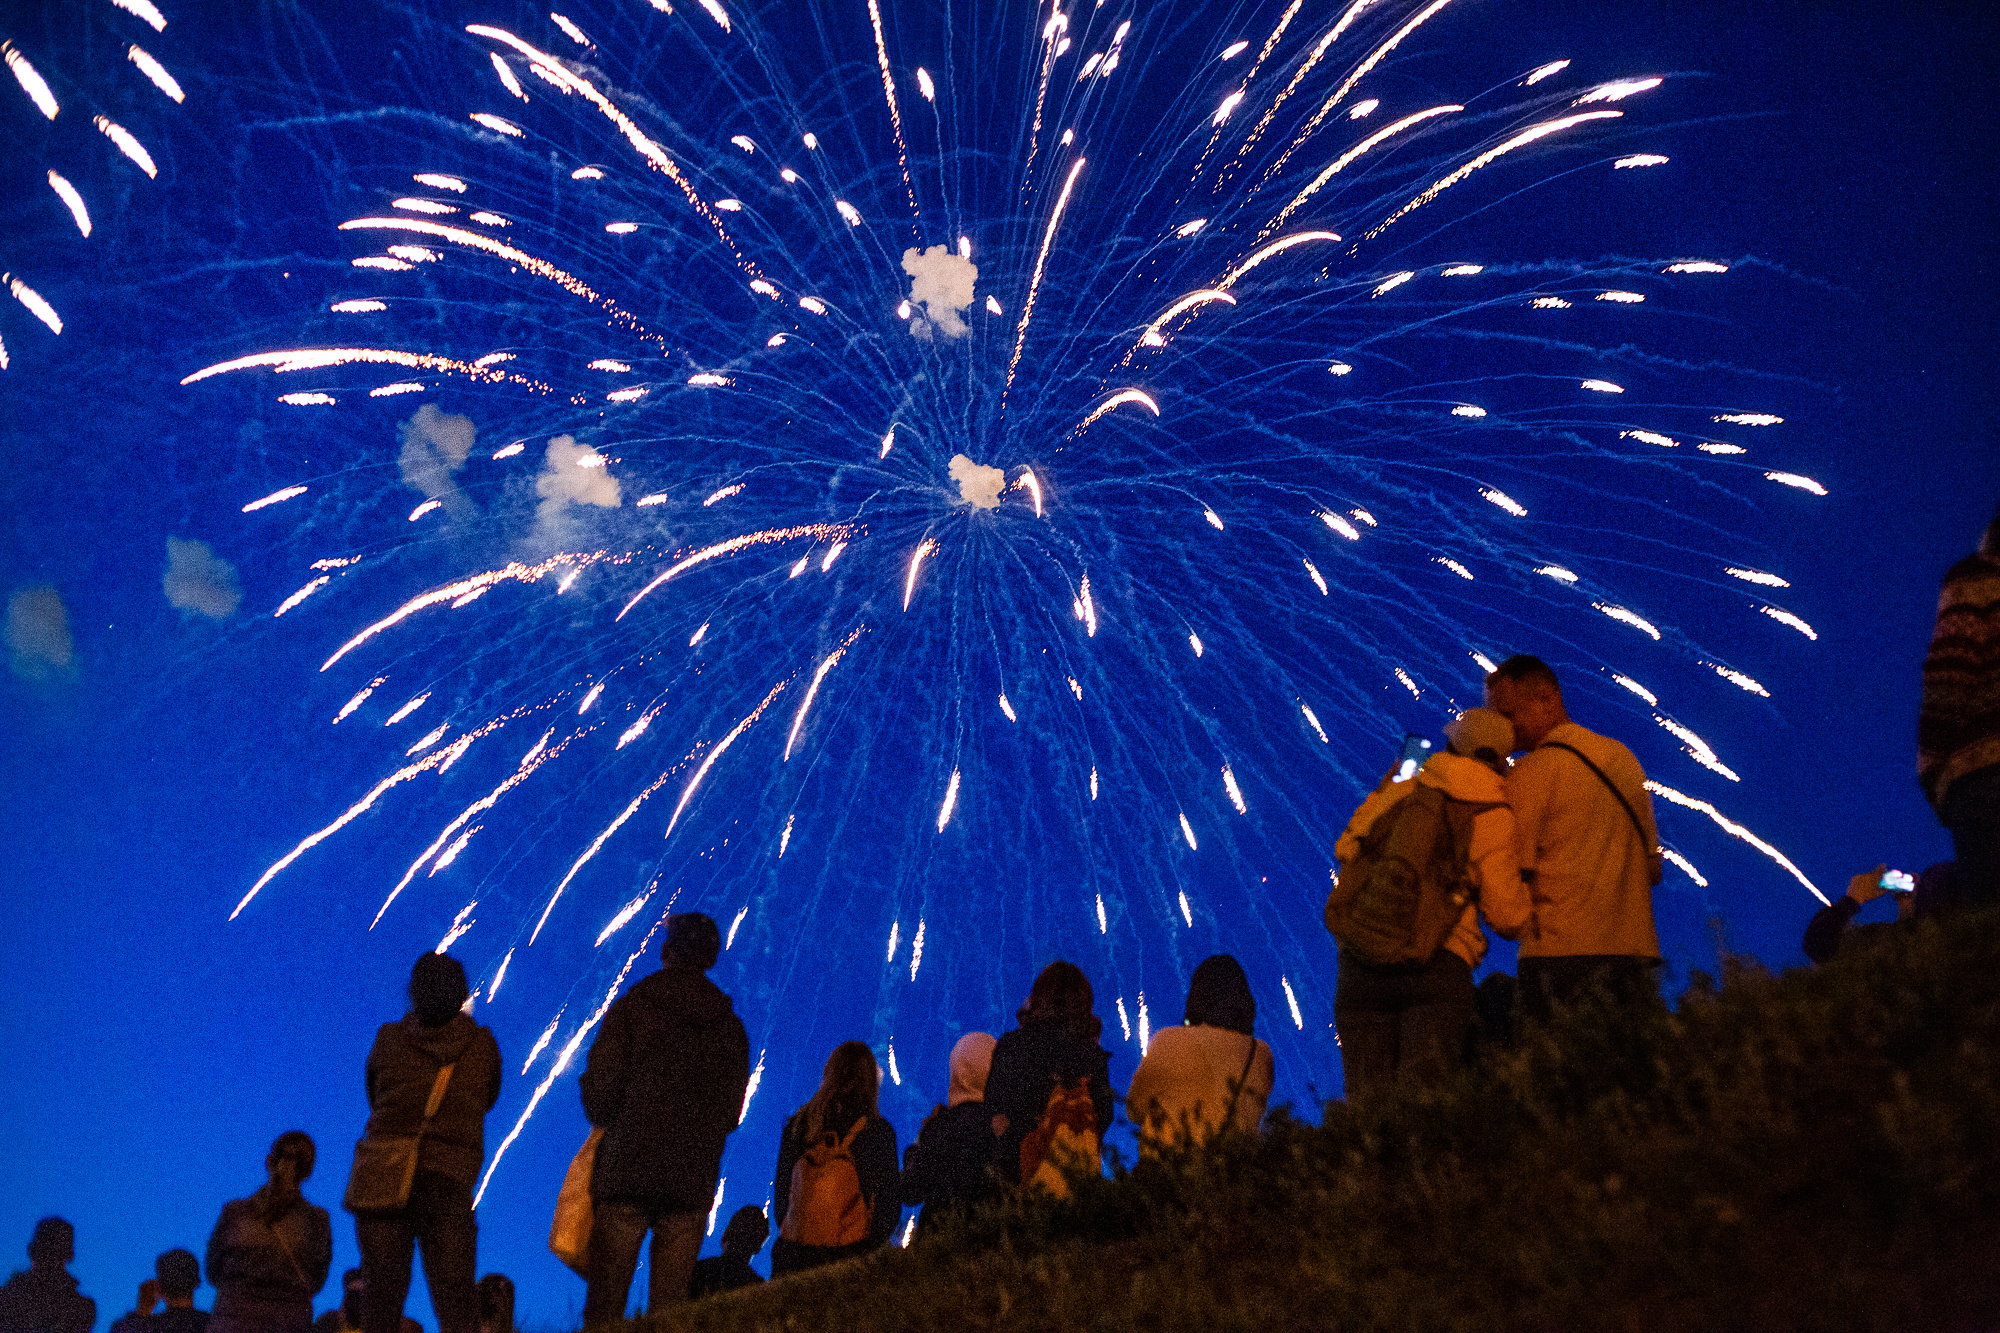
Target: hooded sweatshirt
(401,1069)
(1502,895)
(665,1082)
(951,1162)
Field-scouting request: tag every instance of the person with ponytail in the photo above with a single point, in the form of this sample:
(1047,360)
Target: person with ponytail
(269,1253)
(837,1192)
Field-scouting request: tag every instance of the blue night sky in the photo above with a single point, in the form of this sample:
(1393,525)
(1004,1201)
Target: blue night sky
(1836,157)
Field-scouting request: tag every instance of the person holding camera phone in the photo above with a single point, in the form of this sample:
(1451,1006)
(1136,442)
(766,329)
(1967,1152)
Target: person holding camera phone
(1829,926)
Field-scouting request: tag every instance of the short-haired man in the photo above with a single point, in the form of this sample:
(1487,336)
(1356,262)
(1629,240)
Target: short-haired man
(43,1298)
(1587,844)
(664,1081)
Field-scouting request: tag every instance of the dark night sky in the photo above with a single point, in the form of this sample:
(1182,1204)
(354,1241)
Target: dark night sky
(153,1050)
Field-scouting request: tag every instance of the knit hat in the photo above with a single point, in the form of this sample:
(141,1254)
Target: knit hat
(971,1059)
(1479,729)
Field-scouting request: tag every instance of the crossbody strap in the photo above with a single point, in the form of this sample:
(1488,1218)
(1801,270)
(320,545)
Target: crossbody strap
(437,1095)
(1630,813)
(1236,1093)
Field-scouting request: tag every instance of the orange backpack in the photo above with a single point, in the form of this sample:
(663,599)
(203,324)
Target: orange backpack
(827,1207)
(1066,1135)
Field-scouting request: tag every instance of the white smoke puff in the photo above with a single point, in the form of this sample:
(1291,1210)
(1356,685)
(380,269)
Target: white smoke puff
(978,485)
(941,282)
(572,473)
(200,582)
(38,638)
(435,445)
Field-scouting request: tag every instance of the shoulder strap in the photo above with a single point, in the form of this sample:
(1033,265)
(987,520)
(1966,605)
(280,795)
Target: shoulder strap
(1630,813)
(437,1093)
(1236,1093)
(852,1134)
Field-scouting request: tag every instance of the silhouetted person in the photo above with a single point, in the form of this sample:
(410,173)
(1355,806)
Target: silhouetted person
(403,1069)
(1053,1050)
(665,1082)
(1210,1074)
(1587,847)
(951,1163)
(346,1317)
(176,1274)
(1958,723)
(269,1254)
(741,1239)
(836,1191)
(43,1297)
(496,1303)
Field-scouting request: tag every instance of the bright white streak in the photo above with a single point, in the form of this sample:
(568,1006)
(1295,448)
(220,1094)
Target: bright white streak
(145,11)
(1214,519)
(428,740)
(1124,1022)
(529,763)
(275,497)
(925,86)
(541,1042)
(950,800)
(1093,782)
(356,702)
(1641,160)
(1618,92)
(1194,642)
(1341,526)
(832,554)
(1115,400)
(1687,866)
(1505,501)
(730,939)
(408,708)
(1103,925)
(1558,573)
(31,81)
(1187,831)
(1698,749)
(1453,566)
(1735,829)
(1181,307)
(301,595)
(1034,488)
(593,849)
(1521,140)
(1277,247)
(1787,618)
(1392,282)
(38,307)
(590,697)
(687,793)
(1298,1020)
(497,124)
(1638,689)
(1553,67)
(624,916)
(917,950)
(1233,50)
(895,938)
(1312,720)
(637,729)
(1631,618)
(812,692)
(1235,792)
(1035,281)
(1187,913)
(1468,410)
(785,838)
(1697,266)
(1318,581)
(723,548)
(1795,480)
(750,1088)
(1089,608)
(1756,576)
(1145,1025)
(1602,386)
(1738,679)
(1485,663)
(1751,419)
(924,548)
(1008,709)
(500,975)
(68,194)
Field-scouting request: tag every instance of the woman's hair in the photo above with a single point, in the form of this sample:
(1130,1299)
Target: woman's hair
(437,988)
(1219,995)
(848,1085)
(289,1164)
(297,1145)
(1061,994)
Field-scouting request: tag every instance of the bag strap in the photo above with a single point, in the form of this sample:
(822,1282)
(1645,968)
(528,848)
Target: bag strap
(1236,1093)
(437,1095)
(279,1236)
(1630,813)
(852,1134)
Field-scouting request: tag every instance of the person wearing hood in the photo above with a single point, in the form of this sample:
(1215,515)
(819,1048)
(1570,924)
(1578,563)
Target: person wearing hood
(43,1298)
(402,1074)
(1407,1023)
(665,1082)
(1210,1074)
(951,1163)
(269,1254)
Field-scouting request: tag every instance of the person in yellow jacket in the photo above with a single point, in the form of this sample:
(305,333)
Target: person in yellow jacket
(1407,1024)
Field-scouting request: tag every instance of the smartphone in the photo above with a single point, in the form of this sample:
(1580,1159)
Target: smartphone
(1899,881)
(1415,750)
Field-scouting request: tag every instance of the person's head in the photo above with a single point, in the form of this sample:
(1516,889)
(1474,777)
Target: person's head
(1219,995)
(971,1060)
(848,1084)
(1482,734)
(496,1303)
(1061,994)
(178,1273)
(746,1232)
(437,989)
(692,941)
(1523,690)
(353,1291)
(53,1245)
(290,1161)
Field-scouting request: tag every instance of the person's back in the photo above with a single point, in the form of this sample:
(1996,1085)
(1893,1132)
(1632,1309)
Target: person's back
(43,1298)
(1054,1048)
(836,1191)
(1958,724)
(269,1253)
(731,1270)
(951,1163)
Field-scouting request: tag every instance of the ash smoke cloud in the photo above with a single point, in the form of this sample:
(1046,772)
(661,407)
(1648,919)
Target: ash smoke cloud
(941,286)
(435,445)
(38,639)
(572,474)
(978,484)
(199,582)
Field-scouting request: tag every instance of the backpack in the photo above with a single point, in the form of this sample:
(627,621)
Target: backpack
(826,1206)
(1066,1135)
(1400,896)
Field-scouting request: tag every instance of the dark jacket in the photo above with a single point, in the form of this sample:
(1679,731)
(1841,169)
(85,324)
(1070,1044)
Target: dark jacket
(719,1273)
(45,1301)
(1028,1063)
(403,1065)
(874,1150)
(665,1081)
(269,1273)
(951,1163)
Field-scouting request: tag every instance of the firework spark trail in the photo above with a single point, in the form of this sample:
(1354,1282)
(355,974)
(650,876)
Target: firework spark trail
(818,531)
(1347,159)
(562,1062)
(1311,62)
(812,691)
(319,358)
(1736,830)
(1525,137)
(1249,77)
(1035,282)
(895,114)
(1276,247)
(595,847)
(687,794)
(438,759)
(452,592)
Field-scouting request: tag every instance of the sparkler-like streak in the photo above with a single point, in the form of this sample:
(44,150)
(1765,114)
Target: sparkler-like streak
(1736,830)
(1035,281)
(687,793)
(827,664)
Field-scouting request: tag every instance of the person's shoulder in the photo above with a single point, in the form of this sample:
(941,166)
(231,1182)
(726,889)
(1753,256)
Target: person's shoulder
(1974,568)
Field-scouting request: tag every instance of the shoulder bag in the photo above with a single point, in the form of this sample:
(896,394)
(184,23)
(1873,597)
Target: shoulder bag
(385,1165)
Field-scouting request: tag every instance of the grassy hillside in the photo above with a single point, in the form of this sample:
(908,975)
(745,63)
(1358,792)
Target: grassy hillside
(1818,1150)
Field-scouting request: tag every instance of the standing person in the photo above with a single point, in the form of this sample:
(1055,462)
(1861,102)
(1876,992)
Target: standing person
(664,1081)
(951,1163)
(1210,1074)
(836,1191)
(176,1274)
(1054,1050)
(1407,1023)
(43,1298)
(1958,724)
(435,1046)
(1588,849)
(269,1253)
(731,1270)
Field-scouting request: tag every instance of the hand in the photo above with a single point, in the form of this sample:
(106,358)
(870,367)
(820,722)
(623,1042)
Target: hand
(1866,887)
(149,1296)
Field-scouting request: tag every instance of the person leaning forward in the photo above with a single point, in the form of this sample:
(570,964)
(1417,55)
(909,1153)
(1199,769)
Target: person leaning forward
(665,1082)
(1587,846)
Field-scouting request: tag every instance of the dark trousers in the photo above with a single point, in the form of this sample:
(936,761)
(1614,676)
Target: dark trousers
(1550,985)
(1401,1026)
(616,1232)
(438,1217)
(1971,812)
